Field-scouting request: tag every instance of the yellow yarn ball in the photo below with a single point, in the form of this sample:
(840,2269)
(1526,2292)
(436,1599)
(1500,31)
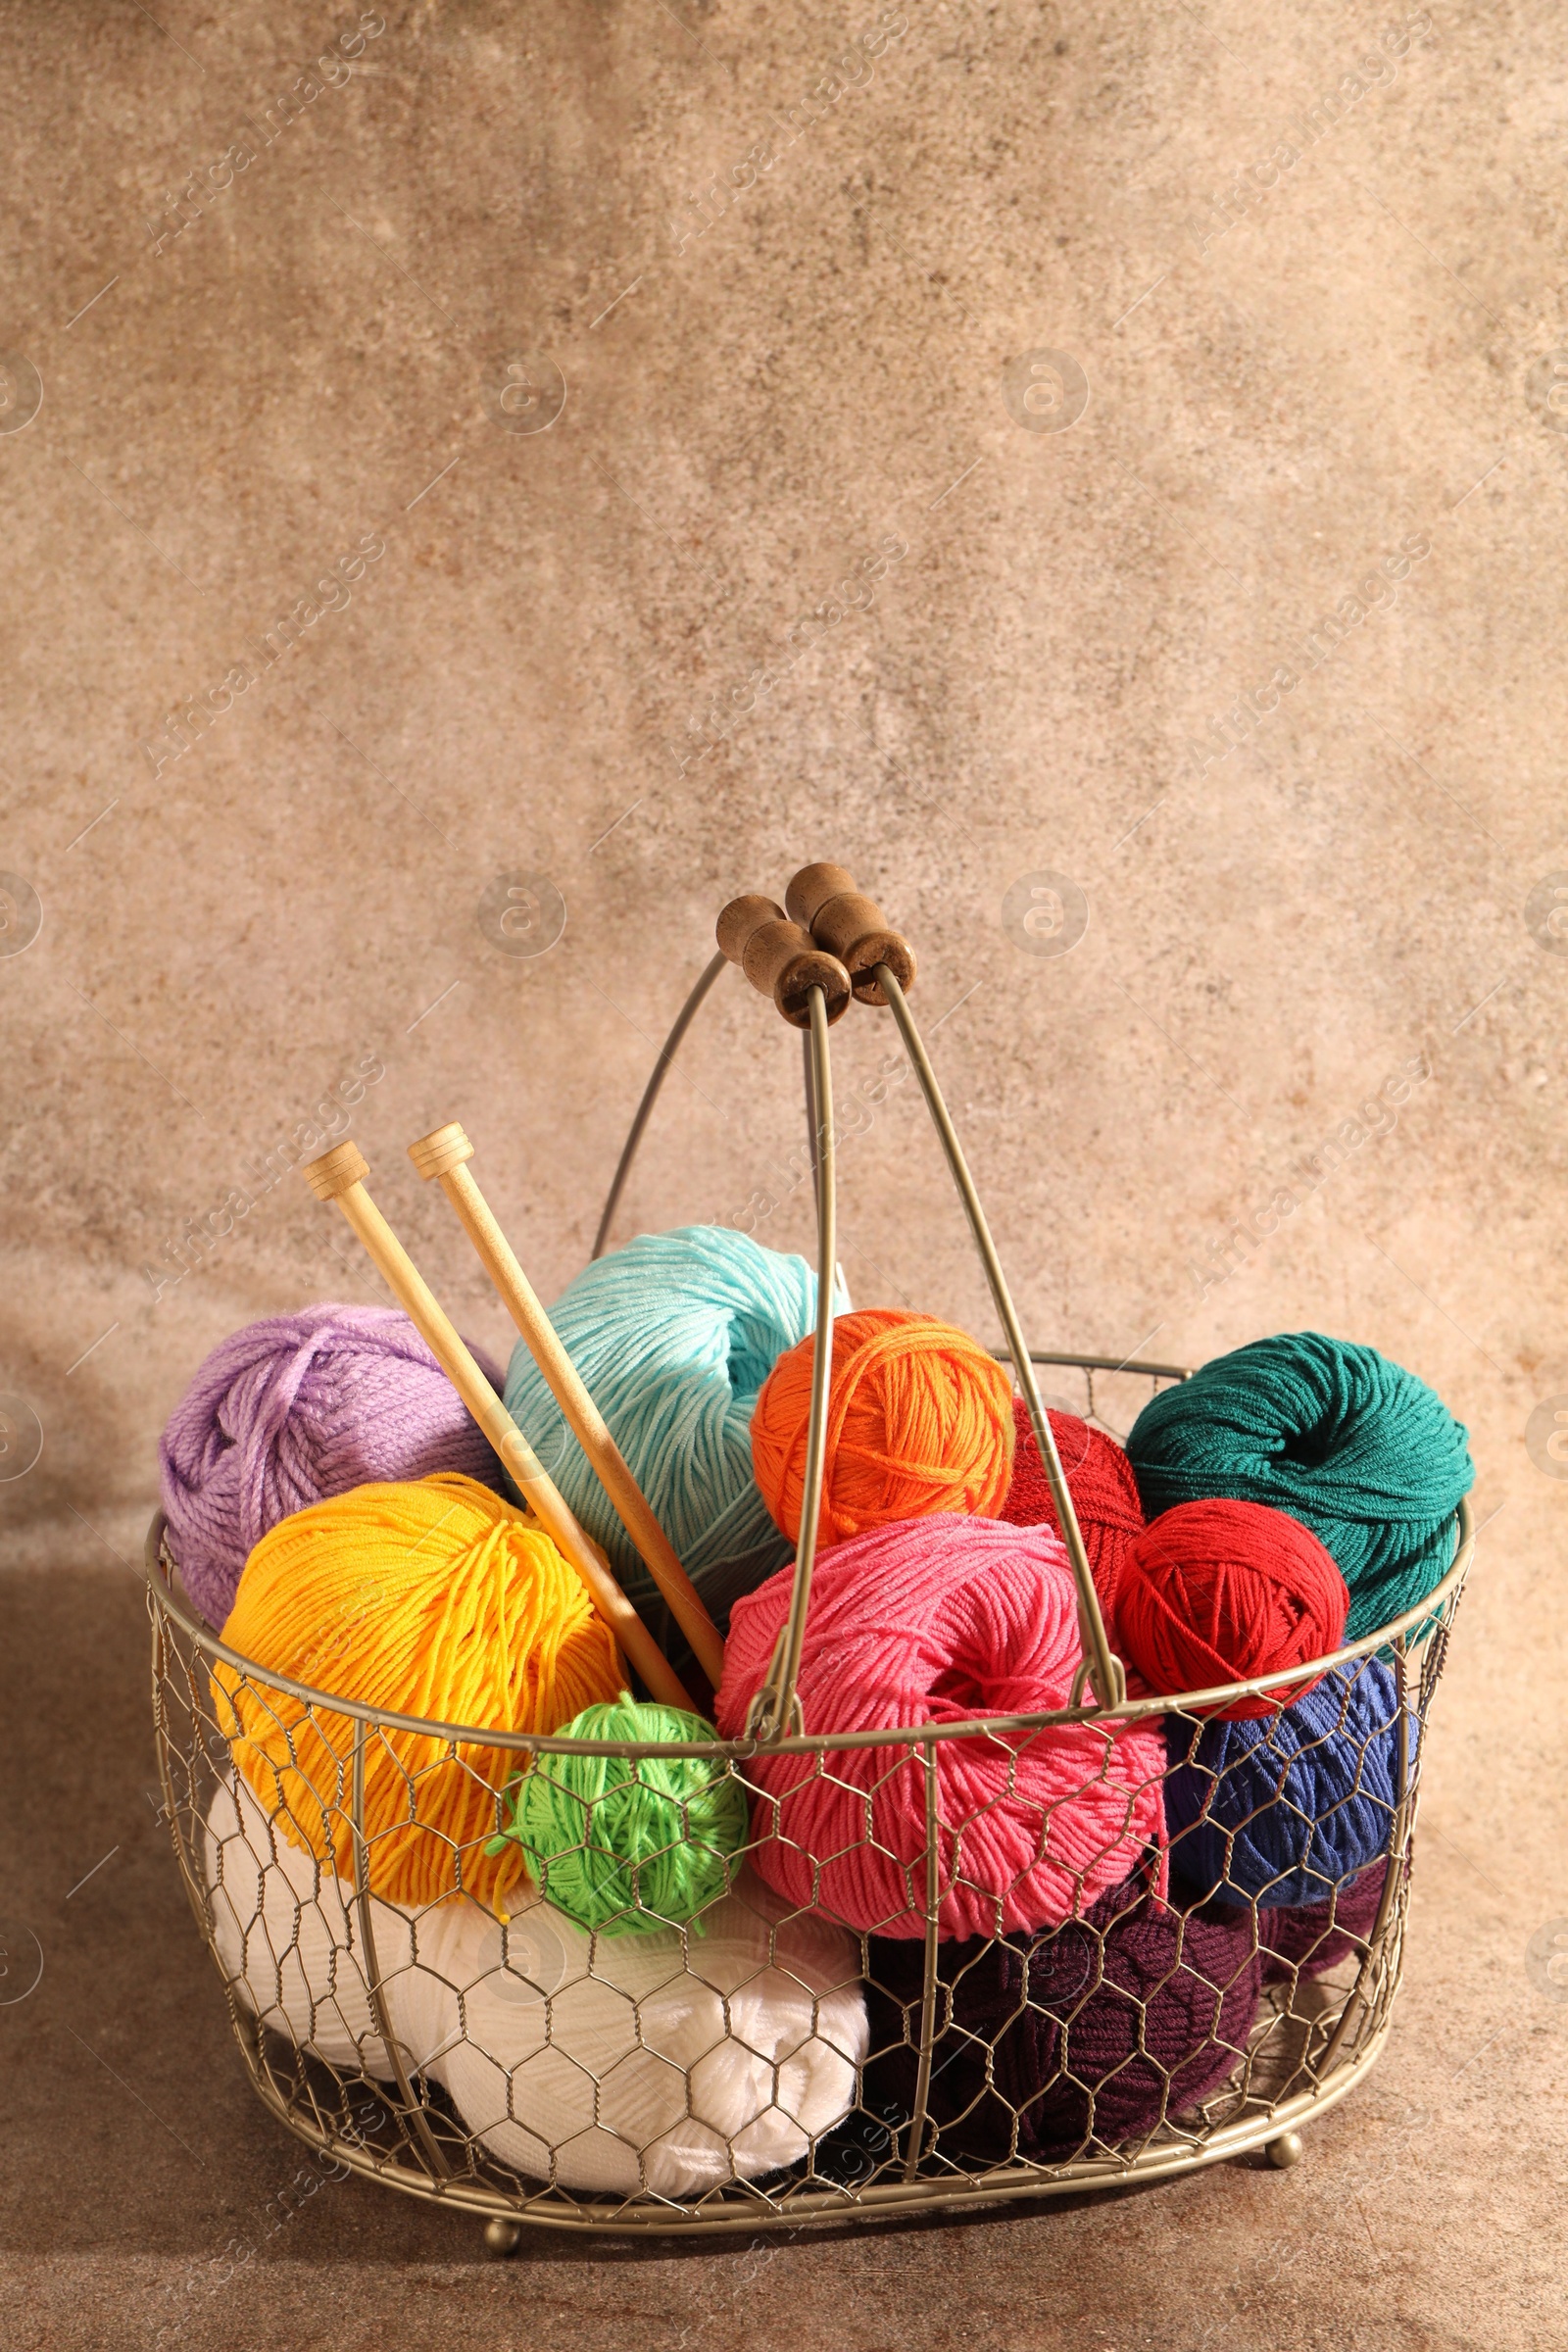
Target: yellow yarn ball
(434,1599)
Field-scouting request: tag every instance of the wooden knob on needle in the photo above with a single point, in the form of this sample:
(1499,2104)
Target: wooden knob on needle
(441,1151)
(842,919)
(332,1175)
(782,959)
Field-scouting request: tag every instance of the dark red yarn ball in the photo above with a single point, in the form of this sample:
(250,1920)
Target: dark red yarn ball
(1099,1480)
(1217,1591)
(1302,1939)
(1091,2033)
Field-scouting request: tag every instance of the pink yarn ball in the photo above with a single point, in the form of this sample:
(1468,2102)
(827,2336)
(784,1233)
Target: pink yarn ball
(292,1409)
(943,1620)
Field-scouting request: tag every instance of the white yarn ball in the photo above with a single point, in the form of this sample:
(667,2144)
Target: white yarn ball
(713,2057)
(287,1932)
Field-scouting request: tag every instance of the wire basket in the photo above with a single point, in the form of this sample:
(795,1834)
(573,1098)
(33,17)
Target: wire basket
(769,2066)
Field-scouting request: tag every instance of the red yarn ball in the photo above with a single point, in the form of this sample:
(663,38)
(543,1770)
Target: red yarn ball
(1099,1479)
(1220,1591)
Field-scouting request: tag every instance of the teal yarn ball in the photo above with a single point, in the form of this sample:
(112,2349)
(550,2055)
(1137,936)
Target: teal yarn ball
(629,1847)
(1363,1452)
(674,1336)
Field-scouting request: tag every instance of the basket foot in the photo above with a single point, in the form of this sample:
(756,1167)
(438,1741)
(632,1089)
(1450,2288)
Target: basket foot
(502,2236)
(1282,2153)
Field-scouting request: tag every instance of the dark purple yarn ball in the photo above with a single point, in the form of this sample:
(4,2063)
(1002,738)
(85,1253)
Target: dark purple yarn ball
(1092,2032)
(1307,1938)
(295,1408)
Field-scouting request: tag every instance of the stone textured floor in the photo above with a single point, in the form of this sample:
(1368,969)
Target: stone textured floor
(1096,470)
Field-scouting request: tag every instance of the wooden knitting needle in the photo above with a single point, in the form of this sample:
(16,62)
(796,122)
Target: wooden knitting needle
(444,1154)
(338,1175)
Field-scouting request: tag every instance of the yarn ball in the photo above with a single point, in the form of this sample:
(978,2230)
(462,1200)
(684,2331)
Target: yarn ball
(1363,1452)
(296,1408)
(1097,2032)
(1291,1807)
(1220,1592)
(435,1598)
(669,2063)
(631,1848)
(674,1336)
(1099,1480)
(920,1420)
(1307,1938)
(286,1934)
(941,1620)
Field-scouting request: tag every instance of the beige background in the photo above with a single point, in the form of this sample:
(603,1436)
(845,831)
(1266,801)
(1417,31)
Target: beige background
(1356,352)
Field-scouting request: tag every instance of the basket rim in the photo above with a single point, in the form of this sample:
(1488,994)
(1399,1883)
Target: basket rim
(815,2204)
(159,1561)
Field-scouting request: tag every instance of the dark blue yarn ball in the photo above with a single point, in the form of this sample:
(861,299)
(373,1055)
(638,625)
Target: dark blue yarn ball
(1285,1808)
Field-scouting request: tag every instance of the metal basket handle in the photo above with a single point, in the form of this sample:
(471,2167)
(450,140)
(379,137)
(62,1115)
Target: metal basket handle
(1100,1659)
(776,1706)
(776,1710)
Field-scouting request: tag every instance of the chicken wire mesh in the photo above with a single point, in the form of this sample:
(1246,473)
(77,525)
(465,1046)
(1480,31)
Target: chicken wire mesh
(769,2063)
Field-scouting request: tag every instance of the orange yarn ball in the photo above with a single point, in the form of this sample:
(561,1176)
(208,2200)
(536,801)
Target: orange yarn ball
(920,1420)
(432,1597)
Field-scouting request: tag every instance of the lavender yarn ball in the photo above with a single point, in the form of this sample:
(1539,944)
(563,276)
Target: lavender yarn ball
(297,1408)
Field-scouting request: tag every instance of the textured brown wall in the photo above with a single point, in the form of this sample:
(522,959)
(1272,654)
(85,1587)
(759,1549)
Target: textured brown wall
(1304,345)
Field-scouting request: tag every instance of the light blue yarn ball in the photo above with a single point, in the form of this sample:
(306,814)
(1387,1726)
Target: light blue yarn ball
(674,1336)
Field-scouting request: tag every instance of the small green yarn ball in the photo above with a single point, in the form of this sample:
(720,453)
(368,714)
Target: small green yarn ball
(629,1847)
